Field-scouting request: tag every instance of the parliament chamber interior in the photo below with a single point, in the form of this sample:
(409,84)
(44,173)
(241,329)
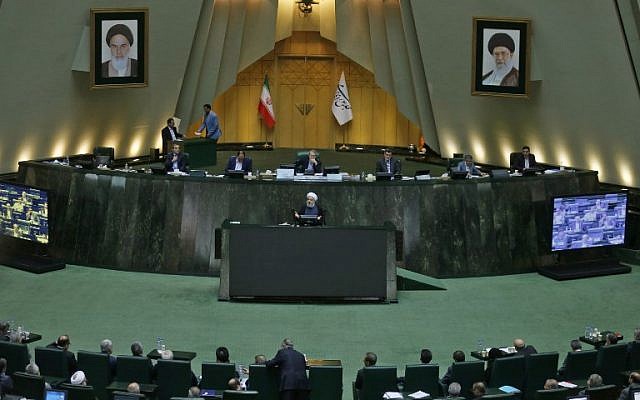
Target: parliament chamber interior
(425,199)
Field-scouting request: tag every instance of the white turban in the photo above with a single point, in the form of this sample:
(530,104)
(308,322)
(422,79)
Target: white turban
(77,378)
(312,195)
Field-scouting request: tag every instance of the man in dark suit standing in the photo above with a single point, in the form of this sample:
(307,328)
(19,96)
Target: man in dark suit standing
(240,162)
(525,160)
(294,384)
(169,133)
(388,164)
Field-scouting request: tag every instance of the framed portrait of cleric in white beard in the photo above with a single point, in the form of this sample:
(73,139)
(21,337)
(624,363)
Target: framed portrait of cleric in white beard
(119,47)
(500,56)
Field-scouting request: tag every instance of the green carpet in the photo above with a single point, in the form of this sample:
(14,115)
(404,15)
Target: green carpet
(91,304)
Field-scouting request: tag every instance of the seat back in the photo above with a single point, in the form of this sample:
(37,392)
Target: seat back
(466,373)
(173,379)
(552,394)
(217,375)
(127,395)
(239,395)
(512,159)
(325,382)
(378,380)
(502,396)
(133,369)
(28,386)
(97,370)
(605,392)
(611,361)
(580,364)
(17,356)
(634,356)
(538,368)
(422,377)
(78,392)
(265,381)
(508,371)
(52,362)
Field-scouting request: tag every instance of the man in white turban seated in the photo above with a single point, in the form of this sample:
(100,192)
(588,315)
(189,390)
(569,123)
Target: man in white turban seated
(310,213)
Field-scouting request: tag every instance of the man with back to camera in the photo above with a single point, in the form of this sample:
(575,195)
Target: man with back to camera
(210,124)
(169,133)
(467,165)
(176,160)
(120,39)
(388,164)
(309,163)
(310,207)
(634,384)
(525,160)
(294,384)
(240,162)
(370,359)
(63,344)
(501,47)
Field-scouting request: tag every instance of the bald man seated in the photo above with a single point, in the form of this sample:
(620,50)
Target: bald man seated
(522,348)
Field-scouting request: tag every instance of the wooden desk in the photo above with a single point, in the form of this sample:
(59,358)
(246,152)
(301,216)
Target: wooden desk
(177,355)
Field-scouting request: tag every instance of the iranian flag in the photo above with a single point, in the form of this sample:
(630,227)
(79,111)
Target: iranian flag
(265,107)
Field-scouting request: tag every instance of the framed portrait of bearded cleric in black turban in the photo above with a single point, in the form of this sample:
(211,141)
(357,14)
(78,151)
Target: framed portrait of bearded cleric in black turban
(119,47)
(500,56)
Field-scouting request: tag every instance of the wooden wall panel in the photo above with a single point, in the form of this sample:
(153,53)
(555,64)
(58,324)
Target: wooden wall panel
(305,69)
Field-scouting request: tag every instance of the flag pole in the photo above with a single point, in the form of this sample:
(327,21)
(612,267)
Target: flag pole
(344,140)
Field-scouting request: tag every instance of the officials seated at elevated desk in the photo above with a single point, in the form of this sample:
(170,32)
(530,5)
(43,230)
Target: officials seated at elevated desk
(160,223)
(293,262)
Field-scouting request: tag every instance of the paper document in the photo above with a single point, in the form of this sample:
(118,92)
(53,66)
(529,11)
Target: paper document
(509,389)
(392,395)
(567,384)
(419,395)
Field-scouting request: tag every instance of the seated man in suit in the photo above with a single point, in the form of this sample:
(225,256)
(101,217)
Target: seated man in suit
(575,346)
(63,344)
(169,133)
(388,164)
(524,160)
(458,356)
(176,160)
(309,164)
(370,359)
(467,165)
(523,349)
(240,162)
(310,207)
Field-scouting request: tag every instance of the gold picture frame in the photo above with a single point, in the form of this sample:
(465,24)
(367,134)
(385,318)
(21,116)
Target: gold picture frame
(119,47)
(501,56)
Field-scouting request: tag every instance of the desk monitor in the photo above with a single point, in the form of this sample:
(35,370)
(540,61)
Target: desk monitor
(499,173)
(207,393)
(309,220)
(24,212)
(422,172)
(590,220)
(127,396)
(579,397)
(198,172)
(158,170)
(232,173)
(50,394)
(383,176)
(457,174)
(103,160)
(331,169)
(287,166)
(531,171)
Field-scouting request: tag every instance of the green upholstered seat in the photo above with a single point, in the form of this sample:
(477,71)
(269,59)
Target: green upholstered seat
(634,356)
(466,373)
(422,377)
(265,381)
(508,371)
(97,370)
(580,364)
(28,386)
(217,375)
(52,363)
(378,380)
(610,362)
(239,395)
(605,392)
(174,378)
(538,368)
(17,356)
(78,392)
(326,382)
(552,394)
(133,369)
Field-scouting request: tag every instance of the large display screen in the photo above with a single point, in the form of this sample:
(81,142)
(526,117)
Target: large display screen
(588,221)
(24,212)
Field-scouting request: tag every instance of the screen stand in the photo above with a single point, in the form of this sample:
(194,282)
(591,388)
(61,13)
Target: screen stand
(27,256)
(584,264)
